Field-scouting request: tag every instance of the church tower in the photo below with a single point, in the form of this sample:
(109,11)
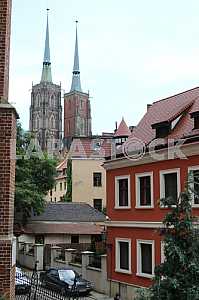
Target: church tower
(46,109)
(77,111)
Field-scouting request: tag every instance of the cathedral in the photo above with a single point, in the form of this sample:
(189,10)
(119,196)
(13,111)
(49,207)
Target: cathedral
(46,107)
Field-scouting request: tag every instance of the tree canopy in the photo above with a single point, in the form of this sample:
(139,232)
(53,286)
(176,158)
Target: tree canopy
(35,173)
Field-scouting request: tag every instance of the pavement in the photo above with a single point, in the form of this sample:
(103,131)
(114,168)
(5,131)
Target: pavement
(99,296)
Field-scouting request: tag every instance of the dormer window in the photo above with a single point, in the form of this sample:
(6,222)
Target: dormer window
(162,129)
(195,116)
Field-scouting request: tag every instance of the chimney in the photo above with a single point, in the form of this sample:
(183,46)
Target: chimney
(148,106)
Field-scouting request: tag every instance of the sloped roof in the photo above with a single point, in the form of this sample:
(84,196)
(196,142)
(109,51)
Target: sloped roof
(62,165)
(122,130)
(74,228)
(69,212)
(167,110)
(98,147)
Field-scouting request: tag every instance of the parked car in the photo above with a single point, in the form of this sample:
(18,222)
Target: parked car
(22,283)
(66,280)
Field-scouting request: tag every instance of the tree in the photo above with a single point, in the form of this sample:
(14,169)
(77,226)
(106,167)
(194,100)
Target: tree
(68,196)
(34,178)
(178,276)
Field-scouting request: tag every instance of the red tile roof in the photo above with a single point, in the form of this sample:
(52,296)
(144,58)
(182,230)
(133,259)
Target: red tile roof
(98,147)
(58,228)
(168,110)
(122,130)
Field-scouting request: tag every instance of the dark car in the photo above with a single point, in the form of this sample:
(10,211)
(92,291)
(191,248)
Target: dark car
(22,283)
(67,281)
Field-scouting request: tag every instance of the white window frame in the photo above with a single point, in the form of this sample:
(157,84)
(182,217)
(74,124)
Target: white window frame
(139,258)
(117,255)
(117,206)
(137,184)
(193,168)
(162,183)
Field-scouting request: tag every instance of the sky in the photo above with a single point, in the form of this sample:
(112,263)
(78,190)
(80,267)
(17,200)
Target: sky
(131,53)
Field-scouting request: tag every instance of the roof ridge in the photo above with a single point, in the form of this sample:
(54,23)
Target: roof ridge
(176,95)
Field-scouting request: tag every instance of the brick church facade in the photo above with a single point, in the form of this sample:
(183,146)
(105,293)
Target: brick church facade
(77,110)
(7,162)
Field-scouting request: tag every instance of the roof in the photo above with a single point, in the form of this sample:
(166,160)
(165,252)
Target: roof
(122,130)
(62,165)
(69,212)
(78,228)
(169,109)
(98,147)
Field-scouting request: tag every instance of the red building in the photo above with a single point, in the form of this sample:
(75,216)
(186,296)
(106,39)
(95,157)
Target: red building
(153,163)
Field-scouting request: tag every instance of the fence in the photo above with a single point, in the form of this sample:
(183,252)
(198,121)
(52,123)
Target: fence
(92,267)
(29,287)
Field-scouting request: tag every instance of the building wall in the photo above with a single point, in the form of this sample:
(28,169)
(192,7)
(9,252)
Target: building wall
(7,164)
(55,239)
(77,116)
(140,214)
(56,191)
(5,12)
(82,181)
(133,214)
(46,116)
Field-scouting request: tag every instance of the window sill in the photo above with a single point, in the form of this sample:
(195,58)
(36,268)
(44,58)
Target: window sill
(122,207)
(144,207)
(145,275)
(123,271)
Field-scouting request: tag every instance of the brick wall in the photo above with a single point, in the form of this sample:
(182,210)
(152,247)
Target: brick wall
(7,161)
(5,17)
(7,184)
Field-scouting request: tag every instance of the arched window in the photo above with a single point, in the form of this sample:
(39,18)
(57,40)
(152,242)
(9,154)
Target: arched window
(52,121)
(37,122)
(52,100)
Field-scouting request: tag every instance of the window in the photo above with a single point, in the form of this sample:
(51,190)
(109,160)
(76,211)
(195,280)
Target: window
(74,239)
(97,203)
(196,122)
(145,258)
(39,239)
(170,184)
(60,186)
(55,199)
(55,187)
(122,192)
(144,190)
(194,184)
(50,192)
(97,179)
(123,255)
(51,199)
(65,185)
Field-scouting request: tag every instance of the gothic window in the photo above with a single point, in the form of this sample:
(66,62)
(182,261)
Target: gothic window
(52,122)
(37,100)
(37,122)
(52,100)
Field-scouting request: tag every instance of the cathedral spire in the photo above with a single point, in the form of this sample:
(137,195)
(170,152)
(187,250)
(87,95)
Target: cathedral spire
(76,83)
(46,71)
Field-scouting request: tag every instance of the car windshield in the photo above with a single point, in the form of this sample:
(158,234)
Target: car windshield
(67,275)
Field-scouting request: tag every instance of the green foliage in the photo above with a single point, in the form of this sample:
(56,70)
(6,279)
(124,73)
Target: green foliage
(34,178)
(68,196)
(178,277)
